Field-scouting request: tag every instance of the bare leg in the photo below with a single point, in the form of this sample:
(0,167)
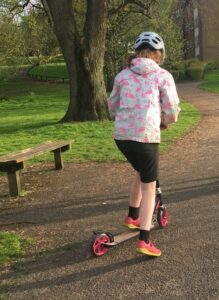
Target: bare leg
(147,204)
(135,192)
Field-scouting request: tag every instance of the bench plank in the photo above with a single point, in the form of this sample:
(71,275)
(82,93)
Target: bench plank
(23,155)
(12,163)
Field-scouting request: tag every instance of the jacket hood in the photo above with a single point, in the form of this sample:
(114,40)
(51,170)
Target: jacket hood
(143,66)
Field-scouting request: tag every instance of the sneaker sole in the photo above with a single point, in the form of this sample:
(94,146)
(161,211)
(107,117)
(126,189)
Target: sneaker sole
(131,226)
(147,252)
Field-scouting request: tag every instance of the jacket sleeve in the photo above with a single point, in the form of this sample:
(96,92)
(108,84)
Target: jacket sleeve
(169,100)
(113,100)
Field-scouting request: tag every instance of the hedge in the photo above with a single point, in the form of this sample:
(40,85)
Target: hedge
(192,69)
(195,73)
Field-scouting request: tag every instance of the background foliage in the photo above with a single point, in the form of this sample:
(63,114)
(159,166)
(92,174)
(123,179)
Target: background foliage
(26,32)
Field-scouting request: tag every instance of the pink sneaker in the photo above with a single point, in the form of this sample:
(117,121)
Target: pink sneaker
(131,223)
(148,249)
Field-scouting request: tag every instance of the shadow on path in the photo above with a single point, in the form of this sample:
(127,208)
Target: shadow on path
(75,209)
(77,276)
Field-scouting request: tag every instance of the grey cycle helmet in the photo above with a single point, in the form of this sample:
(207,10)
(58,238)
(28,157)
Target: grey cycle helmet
(151,39)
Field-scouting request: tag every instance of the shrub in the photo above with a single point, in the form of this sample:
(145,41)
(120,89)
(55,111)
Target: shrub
(212,65)
(55,71)
(195,73)
(182,74)
(178,70)
(175,74)
(189,62)
(7,72)
(196,70)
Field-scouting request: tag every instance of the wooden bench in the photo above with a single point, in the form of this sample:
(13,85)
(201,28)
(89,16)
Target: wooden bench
(12,163)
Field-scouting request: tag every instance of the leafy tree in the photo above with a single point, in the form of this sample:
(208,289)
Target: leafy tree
(10,40)
(163,22)
(38,36)
(25,32)
(83,48)
(127,24)
(123,28)
(92,34)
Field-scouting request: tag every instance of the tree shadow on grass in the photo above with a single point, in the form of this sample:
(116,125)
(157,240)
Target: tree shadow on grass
(27,127)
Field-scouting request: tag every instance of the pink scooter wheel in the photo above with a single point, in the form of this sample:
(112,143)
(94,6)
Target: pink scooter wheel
(162,216)
(98,248)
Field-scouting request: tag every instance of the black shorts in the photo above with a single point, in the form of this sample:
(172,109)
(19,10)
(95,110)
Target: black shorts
(142,156)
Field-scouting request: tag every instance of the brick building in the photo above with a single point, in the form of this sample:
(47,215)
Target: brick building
(200,24)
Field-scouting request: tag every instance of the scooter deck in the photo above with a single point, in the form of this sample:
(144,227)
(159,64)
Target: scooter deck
(122,237)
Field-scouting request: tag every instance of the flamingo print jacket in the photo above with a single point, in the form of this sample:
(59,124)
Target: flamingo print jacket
(143,95)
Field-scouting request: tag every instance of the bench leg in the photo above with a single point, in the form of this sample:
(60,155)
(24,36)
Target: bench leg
(58,159)
(14,183)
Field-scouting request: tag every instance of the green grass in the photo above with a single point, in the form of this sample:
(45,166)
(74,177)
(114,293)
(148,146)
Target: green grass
(188,118)
(211,82)
(30,115)
(12,246)
(7,72)
(50,71)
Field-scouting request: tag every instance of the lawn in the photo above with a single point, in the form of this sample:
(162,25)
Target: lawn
(12,246)
(51,71)
(58,71)
(29,115)
(7,72)
(211,82)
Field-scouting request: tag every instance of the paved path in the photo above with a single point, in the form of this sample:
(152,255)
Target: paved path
(188,267)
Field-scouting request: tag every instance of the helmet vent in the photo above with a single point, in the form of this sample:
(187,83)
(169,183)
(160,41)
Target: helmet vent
(156,42)
(145,40)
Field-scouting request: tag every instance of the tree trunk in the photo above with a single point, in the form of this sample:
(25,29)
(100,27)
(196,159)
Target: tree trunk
(84,58)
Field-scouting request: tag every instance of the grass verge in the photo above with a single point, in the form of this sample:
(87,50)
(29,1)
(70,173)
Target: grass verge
(29,115)
(12,246)
(211,82)
(50,71)
(30,112)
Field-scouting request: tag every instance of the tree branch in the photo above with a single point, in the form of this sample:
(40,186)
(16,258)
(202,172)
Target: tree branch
(142,6)
(20,6)
(25,4)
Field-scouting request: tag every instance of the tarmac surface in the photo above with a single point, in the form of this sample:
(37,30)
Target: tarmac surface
(62,211)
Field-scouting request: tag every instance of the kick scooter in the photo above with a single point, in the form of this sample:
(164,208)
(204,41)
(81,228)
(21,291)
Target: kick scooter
(102,241)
